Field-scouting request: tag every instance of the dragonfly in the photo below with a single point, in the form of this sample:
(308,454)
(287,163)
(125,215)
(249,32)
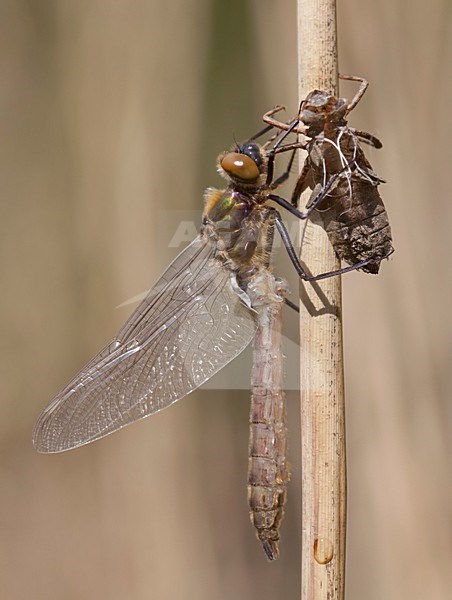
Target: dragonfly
(213,300)
(344,186)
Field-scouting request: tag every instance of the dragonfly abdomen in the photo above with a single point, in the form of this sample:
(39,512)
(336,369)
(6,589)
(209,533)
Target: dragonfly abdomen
(267,469)
(358,225)
(268,473)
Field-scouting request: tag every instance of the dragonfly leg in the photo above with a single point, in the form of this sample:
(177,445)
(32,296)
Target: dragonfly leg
(260,133)
(360,93)
(291,305)
(277,148)
(289,247)
(282,178)
(368,138)
(272,139)
(288,206)
(300,187)
(268,118)
(322,194)
(291,206)
(299,267)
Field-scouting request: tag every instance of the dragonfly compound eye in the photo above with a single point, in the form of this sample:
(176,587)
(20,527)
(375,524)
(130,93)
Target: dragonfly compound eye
(240,166)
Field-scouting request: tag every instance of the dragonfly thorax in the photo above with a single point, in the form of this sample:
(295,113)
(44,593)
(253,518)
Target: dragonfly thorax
(241,227)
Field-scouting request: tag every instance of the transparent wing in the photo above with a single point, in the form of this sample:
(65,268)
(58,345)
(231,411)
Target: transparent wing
(189,326)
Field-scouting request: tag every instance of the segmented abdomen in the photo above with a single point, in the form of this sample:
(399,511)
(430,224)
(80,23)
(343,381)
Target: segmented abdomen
(268,473)
(353,212)
(357,224)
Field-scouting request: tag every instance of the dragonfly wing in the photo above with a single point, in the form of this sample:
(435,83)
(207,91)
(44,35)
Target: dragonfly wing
(189,326)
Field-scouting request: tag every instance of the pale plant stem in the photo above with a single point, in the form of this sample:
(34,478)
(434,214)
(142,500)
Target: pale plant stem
(322,378)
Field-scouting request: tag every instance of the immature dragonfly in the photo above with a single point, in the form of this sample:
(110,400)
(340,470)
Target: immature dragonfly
(212,301)
(345,189)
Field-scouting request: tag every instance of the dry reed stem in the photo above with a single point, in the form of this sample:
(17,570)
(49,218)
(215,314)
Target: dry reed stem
(322,380)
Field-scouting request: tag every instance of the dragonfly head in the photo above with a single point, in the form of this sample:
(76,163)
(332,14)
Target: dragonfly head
(244,165)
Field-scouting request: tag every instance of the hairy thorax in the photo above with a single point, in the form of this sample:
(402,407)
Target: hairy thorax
(241,227)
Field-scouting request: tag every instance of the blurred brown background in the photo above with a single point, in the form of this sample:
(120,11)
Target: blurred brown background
(112,112)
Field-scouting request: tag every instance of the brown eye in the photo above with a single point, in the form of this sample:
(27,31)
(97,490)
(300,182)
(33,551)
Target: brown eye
(240,166)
